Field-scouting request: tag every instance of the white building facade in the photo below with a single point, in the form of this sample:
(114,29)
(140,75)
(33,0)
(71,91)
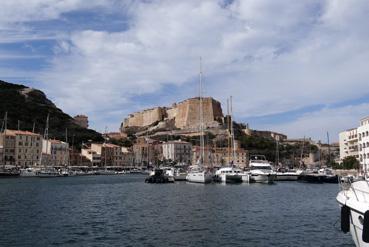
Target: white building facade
(178,151)
(363,141)
(349,143)
(55,153)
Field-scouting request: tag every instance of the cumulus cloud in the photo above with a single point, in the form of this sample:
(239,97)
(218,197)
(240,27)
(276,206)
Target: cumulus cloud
(272,56)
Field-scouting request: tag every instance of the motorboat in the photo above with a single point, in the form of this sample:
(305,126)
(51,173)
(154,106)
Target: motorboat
(311,177)
(48,172)
(180,174)
(354,203)
(9,173)
(229,175)
(197,174)
(260,170)
(286,175)
(159,176)
(329,176)
(29,172)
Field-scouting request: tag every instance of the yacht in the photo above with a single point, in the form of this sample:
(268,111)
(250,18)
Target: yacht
(29,172)
(286,175)
(229,175)
(48,172)
(180,174)
(197,174)
(261,170)
(354,203)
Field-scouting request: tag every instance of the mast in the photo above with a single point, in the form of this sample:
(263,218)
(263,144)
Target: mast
(232,135)
(46,137)
(302,151)
(329,150)
(229,134)
(5,122)
(277,152)
(202,144)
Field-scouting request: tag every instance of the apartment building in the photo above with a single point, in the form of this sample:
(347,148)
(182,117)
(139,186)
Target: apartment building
(224,157)
(21,148)
(111,155)
(55,153)
(363,142)
(92,156)
(178,151)
(348,143)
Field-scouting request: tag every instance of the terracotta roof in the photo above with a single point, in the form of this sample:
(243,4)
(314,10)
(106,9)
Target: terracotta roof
(20,132)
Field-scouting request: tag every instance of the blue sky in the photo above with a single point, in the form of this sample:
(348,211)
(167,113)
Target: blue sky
(297,67)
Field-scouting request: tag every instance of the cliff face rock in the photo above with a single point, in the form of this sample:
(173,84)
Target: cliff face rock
(30,107)
(185,114)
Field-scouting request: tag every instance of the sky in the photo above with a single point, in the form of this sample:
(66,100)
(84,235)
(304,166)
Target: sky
(296,67)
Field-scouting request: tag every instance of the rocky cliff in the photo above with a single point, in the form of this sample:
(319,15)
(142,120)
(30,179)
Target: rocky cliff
(30,107)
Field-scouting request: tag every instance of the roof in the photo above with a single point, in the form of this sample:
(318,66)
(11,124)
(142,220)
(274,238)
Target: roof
(176,142)
(20,132)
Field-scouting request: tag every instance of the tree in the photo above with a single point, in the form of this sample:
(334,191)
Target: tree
(350,162)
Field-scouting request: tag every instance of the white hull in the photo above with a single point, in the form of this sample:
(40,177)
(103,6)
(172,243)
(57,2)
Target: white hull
(28,172)
(357,200)
(230,178)
(199,177)
(245,178)
(262,178)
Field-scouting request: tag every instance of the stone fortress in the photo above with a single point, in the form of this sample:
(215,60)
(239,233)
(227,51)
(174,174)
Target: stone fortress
(184,115)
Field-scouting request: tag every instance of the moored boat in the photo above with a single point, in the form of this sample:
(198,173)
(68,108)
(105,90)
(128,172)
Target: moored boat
(354,203)
(229,175)
(261,170)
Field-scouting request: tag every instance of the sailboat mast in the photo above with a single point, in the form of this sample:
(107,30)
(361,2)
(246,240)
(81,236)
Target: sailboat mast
(202,143)
(5,122)
(329,150)
(232,135)
(46,137)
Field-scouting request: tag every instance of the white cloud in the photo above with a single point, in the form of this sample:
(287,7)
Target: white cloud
(316,124)
(272,56)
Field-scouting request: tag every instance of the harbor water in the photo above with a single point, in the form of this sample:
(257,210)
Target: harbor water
(125,211)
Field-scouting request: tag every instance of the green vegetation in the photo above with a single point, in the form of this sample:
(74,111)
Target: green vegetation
(32,109)
(348,163)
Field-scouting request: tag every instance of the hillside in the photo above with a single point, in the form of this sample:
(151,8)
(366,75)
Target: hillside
(31,106)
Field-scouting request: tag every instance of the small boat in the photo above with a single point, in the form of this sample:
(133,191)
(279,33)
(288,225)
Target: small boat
(261,170)
(159,176)
(105,172)
(311,177)
(228,175)
(48,172)
(29,172)
(286,175)
(9,173)
(329,176)
(198,174)
(180,174)
(354,203)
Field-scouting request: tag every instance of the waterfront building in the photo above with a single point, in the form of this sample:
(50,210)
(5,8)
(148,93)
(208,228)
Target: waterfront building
(76,159)
(177,151)
(147,152)
(21,148)
(363,143)
(111,155)
(128,157)
(81,120)
(92,156)
(224,157)
(209,159)
(348,143)
(55,153)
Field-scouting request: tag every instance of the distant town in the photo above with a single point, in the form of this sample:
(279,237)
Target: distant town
(169,136)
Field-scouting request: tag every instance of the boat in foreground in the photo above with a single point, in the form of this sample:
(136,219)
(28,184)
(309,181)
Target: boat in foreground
(354,203)
(261,170)
(229,175)
(159,176)
(197,174)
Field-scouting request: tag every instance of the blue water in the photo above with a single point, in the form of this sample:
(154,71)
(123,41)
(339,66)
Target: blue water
(124,211)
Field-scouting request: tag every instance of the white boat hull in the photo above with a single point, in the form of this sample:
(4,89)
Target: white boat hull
(199,177)
(262,178)
(28,173)
(358,204)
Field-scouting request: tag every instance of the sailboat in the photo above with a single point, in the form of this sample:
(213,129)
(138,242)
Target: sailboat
(231,174)
(47,171)
(197,173)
